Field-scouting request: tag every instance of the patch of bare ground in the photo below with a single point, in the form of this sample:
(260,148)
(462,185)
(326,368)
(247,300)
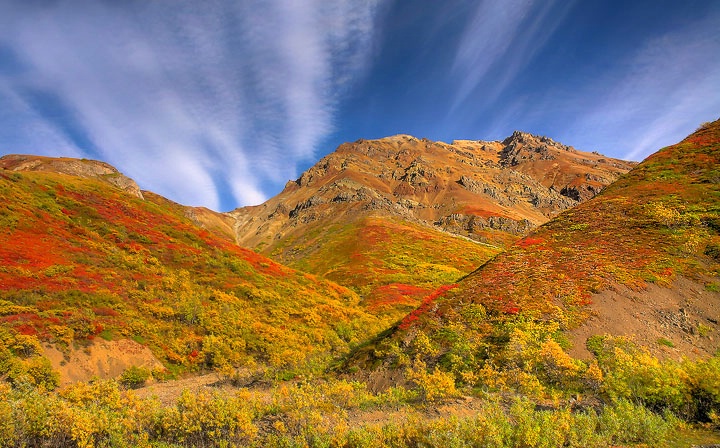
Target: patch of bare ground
(672,323)
(461,407)
(168,392)
(101,359)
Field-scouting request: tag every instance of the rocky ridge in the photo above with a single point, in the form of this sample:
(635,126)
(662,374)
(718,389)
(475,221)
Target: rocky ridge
(92,169)
(487,191)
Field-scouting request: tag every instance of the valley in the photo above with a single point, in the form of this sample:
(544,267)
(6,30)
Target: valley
(401,292)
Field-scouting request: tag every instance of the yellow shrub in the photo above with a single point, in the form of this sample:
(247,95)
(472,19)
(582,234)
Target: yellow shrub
(434,386)
(7,419)
(558,366)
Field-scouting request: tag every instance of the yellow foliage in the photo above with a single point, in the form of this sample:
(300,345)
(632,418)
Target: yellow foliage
(557,365)
(423,346)
(593,377)
(434,386)
(7,420)
(660,212)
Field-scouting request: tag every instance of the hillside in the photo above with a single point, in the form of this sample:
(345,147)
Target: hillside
(95,276)
(636,266)
(83,260)
(396,218)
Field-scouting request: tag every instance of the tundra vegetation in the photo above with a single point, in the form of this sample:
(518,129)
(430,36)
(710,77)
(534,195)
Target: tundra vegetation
(481,362)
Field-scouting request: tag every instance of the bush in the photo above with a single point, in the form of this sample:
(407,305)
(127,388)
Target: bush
(135,377)
(35,371)
(434,386)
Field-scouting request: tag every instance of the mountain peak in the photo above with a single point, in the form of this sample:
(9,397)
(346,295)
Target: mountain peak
(489,192)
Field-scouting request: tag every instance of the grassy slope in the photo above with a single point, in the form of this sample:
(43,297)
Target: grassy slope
(392,264)
(660,221)
(80,259)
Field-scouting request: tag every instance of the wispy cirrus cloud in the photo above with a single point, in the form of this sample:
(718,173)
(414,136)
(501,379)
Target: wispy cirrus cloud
(207,103)
(499,41)
(660,93)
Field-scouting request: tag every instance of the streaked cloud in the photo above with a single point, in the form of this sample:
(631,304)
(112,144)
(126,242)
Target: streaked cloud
(220,102)
(500,40)
(190,98)
(655,97)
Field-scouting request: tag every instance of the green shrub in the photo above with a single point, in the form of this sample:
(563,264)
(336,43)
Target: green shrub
(626,422)
(134,377)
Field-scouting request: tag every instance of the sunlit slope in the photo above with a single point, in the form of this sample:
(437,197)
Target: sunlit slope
(393,218)
(391,263)
(642,260)
(81,259)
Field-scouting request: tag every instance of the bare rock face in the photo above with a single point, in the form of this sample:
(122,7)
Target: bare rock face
(74,167)
(486,191)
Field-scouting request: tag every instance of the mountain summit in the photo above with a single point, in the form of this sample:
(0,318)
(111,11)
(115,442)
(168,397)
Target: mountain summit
(482,190)
(398,217)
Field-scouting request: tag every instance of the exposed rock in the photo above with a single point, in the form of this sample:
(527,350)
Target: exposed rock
(470,188)
(314,200)
(469,224)
(92,169)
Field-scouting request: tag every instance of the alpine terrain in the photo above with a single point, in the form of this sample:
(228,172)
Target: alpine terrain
(401,292)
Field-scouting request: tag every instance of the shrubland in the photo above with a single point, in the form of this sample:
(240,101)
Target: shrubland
(480,362)
(82,260)
(329,413)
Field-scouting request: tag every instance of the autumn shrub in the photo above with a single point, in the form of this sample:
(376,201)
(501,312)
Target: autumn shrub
(134,377)
(7,418)
(204,419)
(433,386)
(625,422)
(704,380)
(538,428)
(34,371)
(311,413)
(632,373)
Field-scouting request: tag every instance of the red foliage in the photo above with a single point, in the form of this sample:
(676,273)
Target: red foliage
(396,294)
(511,309)
(424,307)
(27,330)
(530,241)
(105,311)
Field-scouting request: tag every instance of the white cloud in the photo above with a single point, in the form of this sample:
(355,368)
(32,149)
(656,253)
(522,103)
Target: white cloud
(176,93)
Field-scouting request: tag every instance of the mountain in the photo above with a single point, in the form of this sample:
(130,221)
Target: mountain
(397,217)
(86,256)
(640,263)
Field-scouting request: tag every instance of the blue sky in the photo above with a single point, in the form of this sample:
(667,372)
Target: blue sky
(221,102)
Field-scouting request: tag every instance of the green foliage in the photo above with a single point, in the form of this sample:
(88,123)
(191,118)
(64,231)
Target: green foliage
(712,250)
(690,390)
(134,377)
(626,422)
(315,413)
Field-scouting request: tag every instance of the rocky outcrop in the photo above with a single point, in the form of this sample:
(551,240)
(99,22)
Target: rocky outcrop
(470,188)
(92,169)
(522,147)
(469,224)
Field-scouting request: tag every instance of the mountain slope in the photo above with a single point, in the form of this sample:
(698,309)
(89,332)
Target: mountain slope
(640,260)
(401,189)
(82,259)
